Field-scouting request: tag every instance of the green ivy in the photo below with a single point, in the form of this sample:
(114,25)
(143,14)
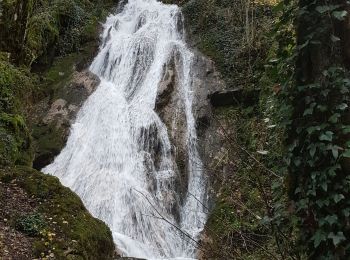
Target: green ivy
(313,110)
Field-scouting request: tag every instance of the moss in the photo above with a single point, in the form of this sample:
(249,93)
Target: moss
(60,72)
(15,141)
(49,27)
(16,85)
(71,231)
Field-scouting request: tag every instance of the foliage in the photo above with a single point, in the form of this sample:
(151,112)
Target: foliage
(312,110)
(232,33)
(48,28)
(30,224)
(15,88)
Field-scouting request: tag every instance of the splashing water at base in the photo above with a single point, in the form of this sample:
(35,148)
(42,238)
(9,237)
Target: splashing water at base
(118,157)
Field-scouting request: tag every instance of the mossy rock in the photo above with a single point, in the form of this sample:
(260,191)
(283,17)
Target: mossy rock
(70,231)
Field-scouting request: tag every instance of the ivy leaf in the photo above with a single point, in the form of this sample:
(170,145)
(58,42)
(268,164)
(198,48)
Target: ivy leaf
(344,89)
(346,129)
(318,238)
(308,111)
(338,197)
(346,212)
(331,219)
(335,150)
(326,8)
(337,238)
(325,92)
(312,150)
(334,118)
(346,82)
(339,15)
(322,202)
(297,190)
(322,108)
(335,38)
(342,106)
(327,136)
(297,162)
(311,129)
(346,153)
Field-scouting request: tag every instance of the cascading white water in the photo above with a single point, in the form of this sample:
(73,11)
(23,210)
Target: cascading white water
(109,157)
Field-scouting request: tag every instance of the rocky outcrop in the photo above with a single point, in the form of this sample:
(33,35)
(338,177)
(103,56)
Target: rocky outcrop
(54,117)
(62,112)
(170,108)
(40,218)
(206,80)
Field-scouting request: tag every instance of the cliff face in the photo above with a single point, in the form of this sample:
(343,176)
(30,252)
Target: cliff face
(45,48)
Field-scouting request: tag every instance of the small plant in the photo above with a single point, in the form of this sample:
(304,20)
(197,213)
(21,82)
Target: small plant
(31,224)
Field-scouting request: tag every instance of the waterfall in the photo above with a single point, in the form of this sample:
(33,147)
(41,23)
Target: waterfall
(119,157)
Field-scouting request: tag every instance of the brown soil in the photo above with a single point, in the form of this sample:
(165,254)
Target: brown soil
(14,202)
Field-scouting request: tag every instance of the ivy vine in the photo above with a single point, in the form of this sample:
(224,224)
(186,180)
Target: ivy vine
(314,109)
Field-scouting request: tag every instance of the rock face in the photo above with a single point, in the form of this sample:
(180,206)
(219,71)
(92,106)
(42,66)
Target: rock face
(171,110)
(206,80)
(56,116)
(62,112)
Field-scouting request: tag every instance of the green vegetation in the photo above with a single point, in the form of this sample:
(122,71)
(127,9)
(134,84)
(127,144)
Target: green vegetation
(52,27)
(315,106)
(30,224)
(48,28)
(15,87)
(234,40)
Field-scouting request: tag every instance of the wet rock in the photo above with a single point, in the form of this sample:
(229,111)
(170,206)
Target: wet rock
(63,110)
(206,80)
(85,80)
(54,118)
(57,110)
(170,108)
(166,87)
